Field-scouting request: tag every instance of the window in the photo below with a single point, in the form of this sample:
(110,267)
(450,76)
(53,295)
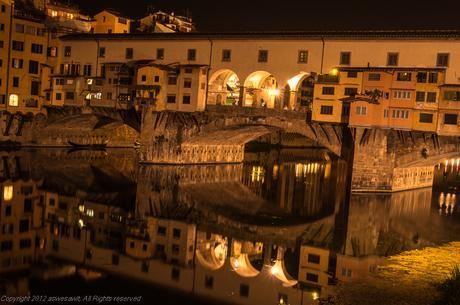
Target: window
(34,87)
(2,27)
(352,74)
(30,30)
(23,226)
(52,51)
(392,59)
(191,54)
(37,48)
(313,258)
(188,70)
(8,228)
(450,119)
(361,110)
(17,63)
(442,60)
(188,83)
(172,80)
(25,243)
(302,57)
(3,8)
(186,99)
(171,99)
(328,90)
(14,98)
(263,56)
(69,95)
(33,67)
(374,76)
(19,28)
(452,95)
(143,78)
(6,246)
(402,95)
(129,53)
(431,97)
(326,110)
(8,210)
(400,114)
(208,281)
(421,77)
(433,77)
(176,233)
(156,78)
(426,118)
(160,53)
(244,290)
(101,51)
(282,298)
(67,51)
(404,76)
(161,231)
(311,277)
(15,81)
(420,96)
(58,96)
(351,91)
(59,81)
(18,45)
(145,266)
(226,55)
(385,113)
(346,272)
(345,58)
(87,70)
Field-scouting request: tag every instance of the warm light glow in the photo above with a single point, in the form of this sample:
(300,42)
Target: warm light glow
(81,224)
(315,295)
(90,212)
(273,92)
(81,208)
(54,13)
(257,174)
(8,192)
(14,100)
(89,81)
(236,264)
(334,72)
(274,270)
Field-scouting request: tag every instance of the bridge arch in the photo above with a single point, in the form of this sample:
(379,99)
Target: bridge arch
(240,260)
(212,253)
(299,90)
(261,90)
(224,87)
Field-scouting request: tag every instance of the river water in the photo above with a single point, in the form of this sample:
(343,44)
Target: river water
(281,228)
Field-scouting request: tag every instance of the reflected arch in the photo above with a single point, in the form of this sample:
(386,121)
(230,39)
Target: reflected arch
(224,88)
(278,269)
(211,253)
(261,90)
(244,254)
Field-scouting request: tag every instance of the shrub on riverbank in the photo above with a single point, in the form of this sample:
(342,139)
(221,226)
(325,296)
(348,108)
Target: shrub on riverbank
(450,289)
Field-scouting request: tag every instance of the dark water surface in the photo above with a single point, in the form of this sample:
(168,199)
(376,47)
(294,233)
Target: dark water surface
(281,228)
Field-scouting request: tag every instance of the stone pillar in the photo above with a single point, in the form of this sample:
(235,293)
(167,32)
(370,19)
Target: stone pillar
(242,96)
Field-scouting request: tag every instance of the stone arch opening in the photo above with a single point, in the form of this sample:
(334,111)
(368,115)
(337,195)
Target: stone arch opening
(301,91)
(224,88)
(261,90)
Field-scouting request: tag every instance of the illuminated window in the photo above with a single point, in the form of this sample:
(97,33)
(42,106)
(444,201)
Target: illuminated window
(14,100)
(90,212)
(7,192)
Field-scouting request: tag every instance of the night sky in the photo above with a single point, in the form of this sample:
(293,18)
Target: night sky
(247,15)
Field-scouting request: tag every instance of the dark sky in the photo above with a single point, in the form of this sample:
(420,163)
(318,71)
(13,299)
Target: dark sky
(255,15)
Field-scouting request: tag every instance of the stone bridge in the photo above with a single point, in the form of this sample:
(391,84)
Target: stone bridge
(220,134)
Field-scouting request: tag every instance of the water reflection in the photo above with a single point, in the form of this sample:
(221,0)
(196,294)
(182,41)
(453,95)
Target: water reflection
(277,229)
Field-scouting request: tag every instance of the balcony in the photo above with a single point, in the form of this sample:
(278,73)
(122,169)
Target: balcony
(328,79)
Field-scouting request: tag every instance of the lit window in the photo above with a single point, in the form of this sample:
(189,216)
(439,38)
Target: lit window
(14,100)
(90,212)
(7,192)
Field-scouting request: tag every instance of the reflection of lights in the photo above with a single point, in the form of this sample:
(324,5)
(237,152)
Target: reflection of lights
(81,208)
(90,212)
(275,170)
(257,174)
(274,270)
(8,192)
(315,295)
(81,224)
(236,264)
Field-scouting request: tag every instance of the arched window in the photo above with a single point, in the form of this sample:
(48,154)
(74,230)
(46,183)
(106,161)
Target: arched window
(14,100)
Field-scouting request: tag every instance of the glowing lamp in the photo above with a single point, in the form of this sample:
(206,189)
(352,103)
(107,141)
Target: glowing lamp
(275,270)
(334,72)
(315,295)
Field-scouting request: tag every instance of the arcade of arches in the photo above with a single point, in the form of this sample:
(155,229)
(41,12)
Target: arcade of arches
(261,89)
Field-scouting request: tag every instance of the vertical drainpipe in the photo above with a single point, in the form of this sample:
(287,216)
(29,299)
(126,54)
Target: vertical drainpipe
(322,54)
(207,72)
(8,63)
(97,56)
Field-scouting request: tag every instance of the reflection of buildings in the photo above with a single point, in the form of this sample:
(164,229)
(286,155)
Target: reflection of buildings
(80,214)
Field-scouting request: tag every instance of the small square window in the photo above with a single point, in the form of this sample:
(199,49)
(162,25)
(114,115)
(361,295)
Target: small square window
(345,58)
(191,54)
(171,99)
(442,60)
(67,51)
(160,53)
(186,99)
(175,274)
(311,277)
(162,230)
(313,258)
(244,290)
(176,233)
(263,56)
(226,55)
(208,281)
(129,53)
(188,83)
(302,57)
(392,59)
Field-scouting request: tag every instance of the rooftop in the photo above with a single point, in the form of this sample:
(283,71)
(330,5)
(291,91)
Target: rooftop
(358,35)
